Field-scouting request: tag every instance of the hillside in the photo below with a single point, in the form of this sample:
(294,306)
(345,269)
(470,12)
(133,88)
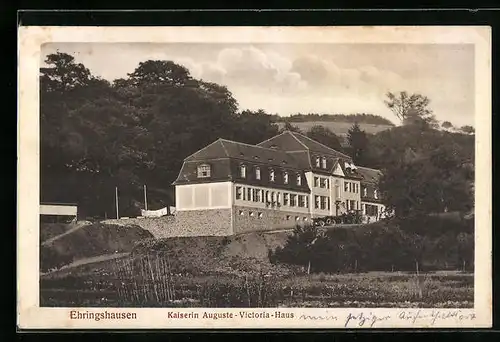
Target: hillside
(339,128)
(90,240)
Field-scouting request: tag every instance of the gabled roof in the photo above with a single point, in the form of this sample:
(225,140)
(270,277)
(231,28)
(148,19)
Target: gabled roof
(369,175)
(315,146)
(223,148)
(293,141)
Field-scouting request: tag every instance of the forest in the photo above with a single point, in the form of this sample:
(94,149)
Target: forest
(97,135)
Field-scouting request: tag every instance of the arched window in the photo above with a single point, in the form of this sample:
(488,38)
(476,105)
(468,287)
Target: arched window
(365,191)
(317,162)
(243,171)
(203,171)
(271,175)
(299,179)
(285,178)
(323,163)
(375,194)
(257,173)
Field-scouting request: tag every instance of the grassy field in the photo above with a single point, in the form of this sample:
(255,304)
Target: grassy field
(339,128)
(154,281)
(124,266)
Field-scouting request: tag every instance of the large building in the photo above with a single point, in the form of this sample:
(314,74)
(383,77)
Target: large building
(230,187)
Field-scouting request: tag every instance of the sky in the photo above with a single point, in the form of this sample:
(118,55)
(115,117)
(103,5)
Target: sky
(285,79)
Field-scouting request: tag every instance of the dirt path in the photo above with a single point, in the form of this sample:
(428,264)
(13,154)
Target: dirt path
(87,261)
(77,226)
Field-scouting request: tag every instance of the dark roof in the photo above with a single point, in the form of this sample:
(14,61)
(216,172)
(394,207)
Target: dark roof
(305,150)
(225,158)
(222,148)
(314,146)
(369,182)
(369,175)
(293,141)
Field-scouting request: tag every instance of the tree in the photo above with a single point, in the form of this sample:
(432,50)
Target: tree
(62,73)
(467,129)
(358,143)
(411,109)
(156,72)
(447,124)
(325,136)
(424,171)
(253,127)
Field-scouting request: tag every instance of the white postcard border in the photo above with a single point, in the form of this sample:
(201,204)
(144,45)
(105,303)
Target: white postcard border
(31,316)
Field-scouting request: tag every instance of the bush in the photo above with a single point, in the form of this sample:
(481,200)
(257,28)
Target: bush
(381,246)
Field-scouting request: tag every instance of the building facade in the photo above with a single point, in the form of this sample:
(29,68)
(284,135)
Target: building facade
(229,187)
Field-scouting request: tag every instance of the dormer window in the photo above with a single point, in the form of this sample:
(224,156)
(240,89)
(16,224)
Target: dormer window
(318,162)
(243,171)
(285,178)
(204,171)
(375,194)
(323,163)
(271,175)
(257,173)
(299,179)
(365,192)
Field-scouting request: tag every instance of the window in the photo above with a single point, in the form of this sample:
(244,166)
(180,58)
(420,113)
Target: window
(244,194)
(249,194)
(278,197)
(316,202)
(271,175)
(327,183)
(293,200)
(323,163)
(323,202)
(257,173)
(285,198)
(328,203)
(243,171)
(316,181)
(375,193)
(267,196)
(259,215)
(365,191)
(285,178)
(273,197)
(299,179)
(204,171)
(302,202)
(346,186)
(322,183)
(307,201)
(239,192)
(350,187)
(317,162)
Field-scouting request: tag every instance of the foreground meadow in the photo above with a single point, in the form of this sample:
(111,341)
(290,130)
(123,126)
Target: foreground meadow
(154,282)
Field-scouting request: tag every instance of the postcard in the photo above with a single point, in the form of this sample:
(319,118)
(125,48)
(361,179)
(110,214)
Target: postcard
(254,177)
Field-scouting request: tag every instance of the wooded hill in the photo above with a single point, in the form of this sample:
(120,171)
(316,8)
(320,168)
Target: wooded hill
(136,131)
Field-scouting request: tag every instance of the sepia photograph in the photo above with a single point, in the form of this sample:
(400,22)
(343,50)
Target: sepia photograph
(254,174)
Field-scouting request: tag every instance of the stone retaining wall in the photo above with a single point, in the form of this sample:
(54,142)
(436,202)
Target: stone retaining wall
(216,222)
(246,219)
